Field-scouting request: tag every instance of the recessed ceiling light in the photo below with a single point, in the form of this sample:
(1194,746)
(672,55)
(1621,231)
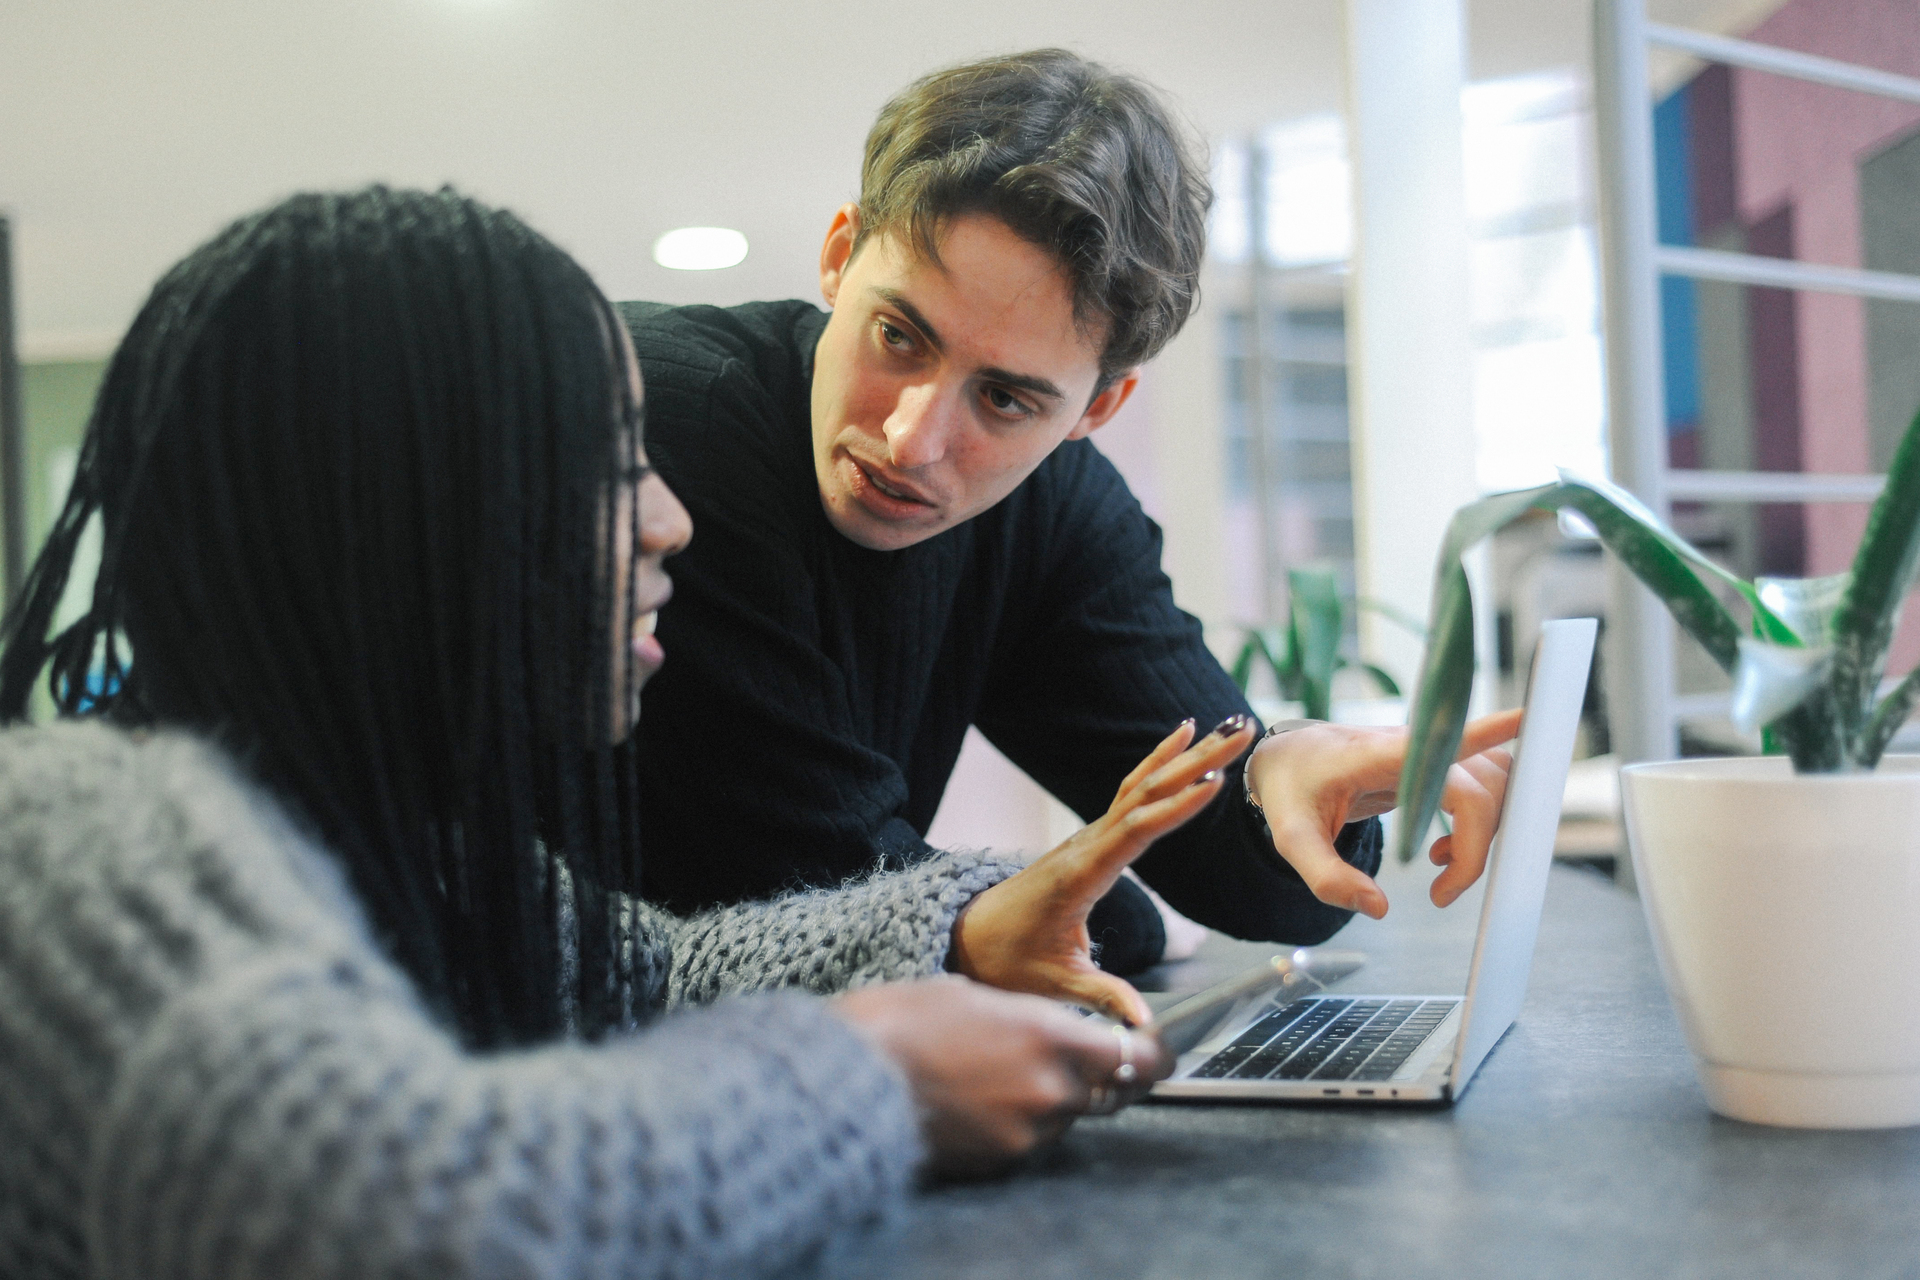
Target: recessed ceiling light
(700,248)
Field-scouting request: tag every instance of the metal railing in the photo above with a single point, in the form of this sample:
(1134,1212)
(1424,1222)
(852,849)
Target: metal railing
(1647,708)
(1784,62)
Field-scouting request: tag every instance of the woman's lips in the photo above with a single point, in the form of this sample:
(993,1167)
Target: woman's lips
(646,647)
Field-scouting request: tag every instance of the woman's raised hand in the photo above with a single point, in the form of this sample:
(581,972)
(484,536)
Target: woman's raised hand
(1029,932)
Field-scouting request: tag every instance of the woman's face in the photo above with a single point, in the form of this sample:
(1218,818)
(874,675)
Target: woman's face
(641,584)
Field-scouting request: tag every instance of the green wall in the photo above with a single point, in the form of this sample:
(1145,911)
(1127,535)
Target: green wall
(56,397)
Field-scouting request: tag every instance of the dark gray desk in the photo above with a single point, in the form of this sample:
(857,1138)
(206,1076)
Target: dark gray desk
(1584,1148)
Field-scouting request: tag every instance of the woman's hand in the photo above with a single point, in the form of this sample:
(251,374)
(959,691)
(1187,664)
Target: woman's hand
(996,1074)
(1029,932)
(1313,781)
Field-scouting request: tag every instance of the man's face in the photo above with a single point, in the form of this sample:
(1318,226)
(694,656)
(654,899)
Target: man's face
(939,388)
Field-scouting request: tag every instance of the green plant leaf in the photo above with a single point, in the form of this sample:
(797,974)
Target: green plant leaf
(1272,646)
(1366,604)
(1883,572)
(1446,670)
(1313,606)
(1283,659)
(1241,672)
(1658,556)
(1388,685)
(1772,679)
(1807,605)
(1669,565)
(1887,719)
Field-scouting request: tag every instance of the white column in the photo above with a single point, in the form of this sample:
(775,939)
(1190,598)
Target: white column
(1639,660)
(1186,408)
(1410,377)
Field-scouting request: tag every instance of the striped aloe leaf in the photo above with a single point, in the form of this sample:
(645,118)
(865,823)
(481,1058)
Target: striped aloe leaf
(1808,673)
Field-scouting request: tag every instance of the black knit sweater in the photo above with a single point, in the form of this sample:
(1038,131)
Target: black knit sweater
(816,692)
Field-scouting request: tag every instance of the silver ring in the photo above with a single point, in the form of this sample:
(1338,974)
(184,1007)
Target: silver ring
(1125,1073)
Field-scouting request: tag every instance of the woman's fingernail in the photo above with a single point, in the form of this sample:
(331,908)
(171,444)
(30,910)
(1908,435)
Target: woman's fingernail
(1230,726)
(1207,779)
(1184,724)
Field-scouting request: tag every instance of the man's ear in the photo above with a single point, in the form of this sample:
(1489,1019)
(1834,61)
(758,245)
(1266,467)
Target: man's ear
(1105,405)
(837,252)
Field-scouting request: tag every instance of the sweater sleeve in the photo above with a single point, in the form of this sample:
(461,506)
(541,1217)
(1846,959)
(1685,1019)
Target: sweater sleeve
(887,927)
(213,1071)
(1104,669)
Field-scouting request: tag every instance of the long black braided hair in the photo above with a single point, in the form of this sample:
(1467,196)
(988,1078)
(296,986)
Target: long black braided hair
(354,464)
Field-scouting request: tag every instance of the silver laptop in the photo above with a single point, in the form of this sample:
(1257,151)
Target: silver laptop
(1387,1049)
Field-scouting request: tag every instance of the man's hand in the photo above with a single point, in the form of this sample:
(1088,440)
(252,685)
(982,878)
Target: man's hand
(1029,932)
(995,1074)
(1313,781)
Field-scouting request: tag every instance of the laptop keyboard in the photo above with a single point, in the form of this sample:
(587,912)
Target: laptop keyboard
(1328,1038)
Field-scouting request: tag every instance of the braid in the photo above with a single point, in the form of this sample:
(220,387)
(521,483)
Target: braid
(355,462)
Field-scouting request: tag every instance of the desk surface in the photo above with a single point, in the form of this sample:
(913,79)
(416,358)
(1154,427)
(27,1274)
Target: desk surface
(1583,1148)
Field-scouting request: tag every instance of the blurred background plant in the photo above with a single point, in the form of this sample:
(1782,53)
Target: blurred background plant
(1304,655)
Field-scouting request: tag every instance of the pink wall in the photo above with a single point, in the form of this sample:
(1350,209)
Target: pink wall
(1802,144)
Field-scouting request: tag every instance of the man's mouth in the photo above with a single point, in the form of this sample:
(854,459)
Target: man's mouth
(892,489)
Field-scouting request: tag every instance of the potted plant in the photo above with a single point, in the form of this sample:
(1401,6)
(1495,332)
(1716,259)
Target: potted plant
(1304,655)
(1782,891)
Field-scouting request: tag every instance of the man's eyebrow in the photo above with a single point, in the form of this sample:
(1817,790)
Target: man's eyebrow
(1023,382)
(898,301)
(1005,377)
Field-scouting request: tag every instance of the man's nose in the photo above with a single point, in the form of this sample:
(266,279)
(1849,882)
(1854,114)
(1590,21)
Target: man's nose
(919,427)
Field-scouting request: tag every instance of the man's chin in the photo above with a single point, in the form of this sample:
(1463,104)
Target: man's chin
(858,525)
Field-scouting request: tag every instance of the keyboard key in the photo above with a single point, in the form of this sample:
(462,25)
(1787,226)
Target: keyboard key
(1403,1043)
(1262,1064)
(1330,1038)
(1366,1042)
(1251,1040)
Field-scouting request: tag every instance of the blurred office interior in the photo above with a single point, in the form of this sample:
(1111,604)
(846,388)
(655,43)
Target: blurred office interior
(1401,304)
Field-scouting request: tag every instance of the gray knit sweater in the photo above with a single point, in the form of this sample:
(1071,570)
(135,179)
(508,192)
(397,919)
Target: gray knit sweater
(208,1068)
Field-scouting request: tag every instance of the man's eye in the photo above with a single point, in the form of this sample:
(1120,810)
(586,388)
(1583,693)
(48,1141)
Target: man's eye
(1006,403)
(895,337)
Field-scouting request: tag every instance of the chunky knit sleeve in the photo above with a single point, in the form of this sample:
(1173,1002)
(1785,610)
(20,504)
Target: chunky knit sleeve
(887,927)
(210,1070)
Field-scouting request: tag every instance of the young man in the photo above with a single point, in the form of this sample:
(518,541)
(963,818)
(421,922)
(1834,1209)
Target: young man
(904,530)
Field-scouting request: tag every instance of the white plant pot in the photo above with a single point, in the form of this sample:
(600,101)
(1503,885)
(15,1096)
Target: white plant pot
(1785,911)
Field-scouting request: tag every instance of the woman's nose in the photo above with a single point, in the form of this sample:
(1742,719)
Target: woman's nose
(665,526)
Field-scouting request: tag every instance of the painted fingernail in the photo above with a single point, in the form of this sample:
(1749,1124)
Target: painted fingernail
(1230,726)
(1185,724)
(1207,779)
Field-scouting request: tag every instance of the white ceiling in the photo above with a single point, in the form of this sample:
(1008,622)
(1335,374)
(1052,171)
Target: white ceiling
(130,131)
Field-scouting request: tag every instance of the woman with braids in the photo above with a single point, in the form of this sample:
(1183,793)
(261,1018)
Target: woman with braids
(316,951)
